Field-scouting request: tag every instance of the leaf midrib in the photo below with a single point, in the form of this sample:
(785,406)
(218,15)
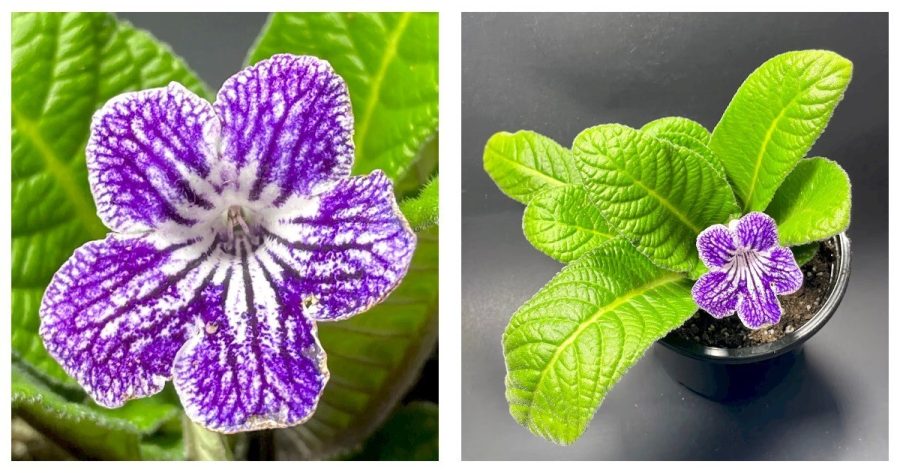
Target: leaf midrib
(662,200)
(614,304)
(768,138)
(85,211)
(390,52)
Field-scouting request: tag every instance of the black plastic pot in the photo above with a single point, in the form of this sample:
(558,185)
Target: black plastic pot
(738,373)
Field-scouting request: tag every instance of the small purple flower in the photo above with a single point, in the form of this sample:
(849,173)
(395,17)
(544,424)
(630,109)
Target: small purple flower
(748,270)
(235,228)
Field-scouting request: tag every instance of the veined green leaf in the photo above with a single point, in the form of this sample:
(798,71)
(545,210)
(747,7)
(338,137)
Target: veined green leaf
(64,67)
(813,203)
(568,345)
(774,119)
(411,434)
(564,224)
(390,63)
(373,358)
(422,211)
(81,428)
(687,134)
(524,163)
(656,195)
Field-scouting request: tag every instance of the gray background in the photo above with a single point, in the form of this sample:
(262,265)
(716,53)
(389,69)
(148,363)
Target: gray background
(214,44)
(558,74)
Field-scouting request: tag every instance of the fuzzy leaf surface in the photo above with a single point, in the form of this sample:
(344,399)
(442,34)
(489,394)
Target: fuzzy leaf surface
(562,223)
(390,63)
(83,427)
(656,195)
(422,211)
(524,163)
(813,203)
(687,134)
(571,342)
(774,119)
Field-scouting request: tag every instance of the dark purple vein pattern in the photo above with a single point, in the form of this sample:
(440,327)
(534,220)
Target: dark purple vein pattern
(747,271)
(235,227)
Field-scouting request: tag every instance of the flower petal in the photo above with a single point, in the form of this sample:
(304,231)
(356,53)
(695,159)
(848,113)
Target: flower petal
(287,126)
(756,230)
(716,246)
(781,269)
(254,361)
(149,157)
(116,312)
(758,305)
(716,292)
(346,249)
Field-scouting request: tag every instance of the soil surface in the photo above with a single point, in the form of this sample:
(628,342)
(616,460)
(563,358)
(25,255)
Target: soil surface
(798,307)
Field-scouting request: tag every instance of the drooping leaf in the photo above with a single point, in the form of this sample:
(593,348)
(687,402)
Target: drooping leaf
(422,211)
(571,342)
(656,195)
(373,358)
(564,224)
(524,163)
(79,427)
(804,253)
(686,133)
(390,63)
(65,66)
(813,203)
(411,433)
(774,119)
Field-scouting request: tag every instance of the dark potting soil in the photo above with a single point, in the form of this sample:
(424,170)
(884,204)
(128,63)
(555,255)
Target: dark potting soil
(798,308)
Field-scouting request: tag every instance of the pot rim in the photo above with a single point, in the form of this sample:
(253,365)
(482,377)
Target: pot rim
(839,279)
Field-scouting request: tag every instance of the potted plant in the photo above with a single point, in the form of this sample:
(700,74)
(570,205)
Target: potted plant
(668,230)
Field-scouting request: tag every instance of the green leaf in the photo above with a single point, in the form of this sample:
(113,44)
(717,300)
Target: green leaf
(568,345)
(804,253)
(64,67)
(410,434)
(524,163)
(564,224)
(87,430)
(390,63)
(373,358)
(686,134)
(658,196)
(813,203)
(422,211)
(774,119)
(424,169)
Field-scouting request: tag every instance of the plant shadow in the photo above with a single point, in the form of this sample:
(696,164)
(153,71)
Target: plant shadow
(772,426)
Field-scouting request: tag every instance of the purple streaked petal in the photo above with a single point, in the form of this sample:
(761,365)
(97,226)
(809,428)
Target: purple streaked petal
(716,292)
(253,361)
(150,157)
(781,268)
(346,249)
(287,126)
(756,231)
(758,306)
(716,246)
(115,313)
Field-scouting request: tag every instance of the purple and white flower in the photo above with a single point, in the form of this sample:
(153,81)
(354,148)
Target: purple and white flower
(747,271)
(235,227)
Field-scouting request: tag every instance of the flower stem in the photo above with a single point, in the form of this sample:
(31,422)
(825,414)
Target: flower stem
(203,444)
